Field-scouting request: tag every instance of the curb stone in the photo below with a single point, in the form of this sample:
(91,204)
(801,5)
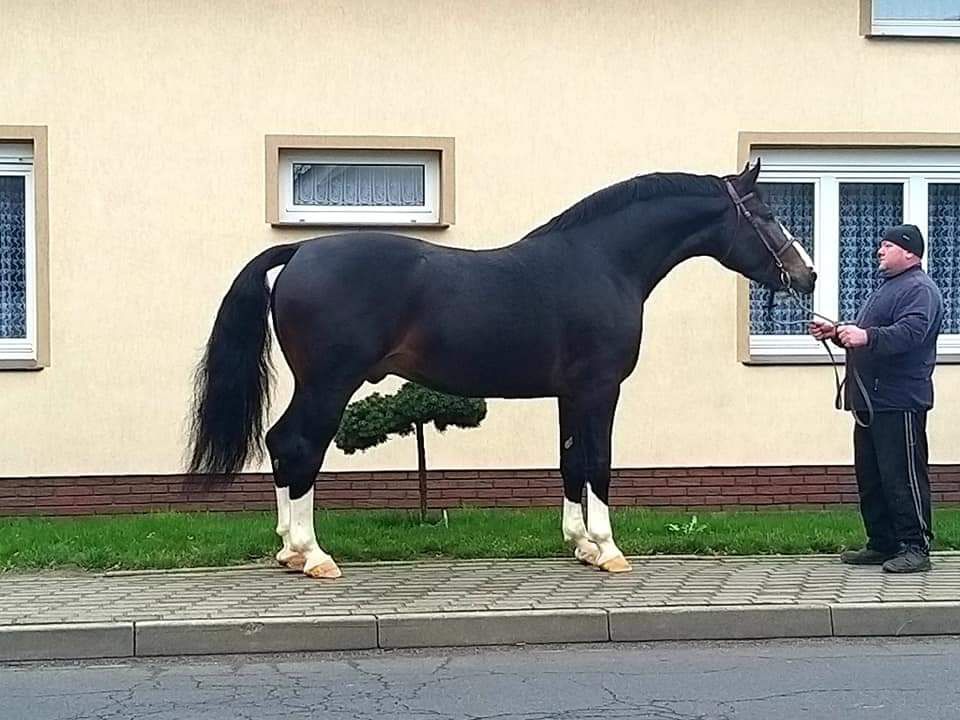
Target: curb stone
(66,641)
(72,641)
(722,622)
(492,628)
(255,635)
(896,619)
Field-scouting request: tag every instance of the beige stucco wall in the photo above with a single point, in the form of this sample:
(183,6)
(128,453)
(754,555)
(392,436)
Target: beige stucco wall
(157,113)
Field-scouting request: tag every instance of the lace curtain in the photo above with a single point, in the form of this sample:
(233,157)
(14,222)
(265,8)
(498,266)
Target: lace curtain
(866,211)
(943,249)
(792,203)
(328,185)
(13,280)
(916,9)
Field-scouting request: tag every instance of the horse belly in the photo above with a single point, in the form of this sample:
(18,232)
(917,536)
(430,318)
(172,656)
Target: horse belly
(469,367)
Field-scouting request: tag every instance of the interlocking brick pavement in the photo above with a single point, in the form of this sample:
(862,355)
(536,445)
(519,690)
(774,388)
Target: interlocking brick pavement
(455,586)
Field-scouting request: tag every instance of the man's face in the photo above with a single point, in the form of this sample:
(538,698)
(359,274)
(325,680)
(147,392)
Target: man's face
(893,258)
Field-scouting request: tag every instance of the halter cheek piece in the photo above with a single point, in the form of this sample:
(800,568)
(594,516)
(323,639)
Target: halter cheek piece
(743,211)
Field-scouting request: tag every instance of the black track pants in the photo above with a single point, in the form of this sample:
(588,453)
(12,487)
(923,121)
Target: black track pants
(891,465)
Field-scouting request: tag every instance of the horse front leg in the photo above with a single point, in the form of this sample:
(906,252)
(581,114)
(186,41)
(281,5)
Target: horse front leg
(598,527)
(592,415)
(575,533)
(572,469)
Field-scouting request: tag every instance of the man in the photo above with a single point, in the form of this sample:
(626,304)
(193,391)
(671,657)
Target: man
(892,347)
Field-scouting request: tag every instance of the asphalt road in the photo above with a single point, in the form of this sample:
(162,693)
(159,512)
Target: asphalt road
(785,680)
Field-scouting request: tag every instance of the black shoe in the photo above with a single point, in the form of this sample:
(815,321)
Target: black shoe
(865,556)
(910,559)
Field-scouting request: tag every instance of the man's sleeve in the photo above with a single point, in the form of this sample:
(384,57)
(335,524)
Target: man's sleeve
(915,311)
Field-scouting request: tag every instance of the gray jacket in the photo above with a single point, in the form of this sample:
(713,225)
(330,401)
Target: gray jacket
(902,318)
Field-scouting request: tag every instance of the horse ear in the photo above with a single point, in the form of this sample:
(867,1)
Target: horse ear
(750,174)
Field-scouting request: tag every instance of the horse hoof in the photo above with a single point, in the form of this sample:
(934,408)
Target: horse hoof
(324,571)
(617,564)
(587,557)
(294,562)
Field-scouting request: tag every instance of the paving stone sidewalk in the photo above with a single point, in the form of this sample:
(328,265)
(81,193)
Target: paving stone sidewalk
(50,615)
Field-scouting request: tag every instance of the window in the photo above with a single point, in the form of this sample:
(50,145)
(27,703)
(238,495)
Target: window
(359,187)
(911,18)
(360,181)
(838,203)
(18,254)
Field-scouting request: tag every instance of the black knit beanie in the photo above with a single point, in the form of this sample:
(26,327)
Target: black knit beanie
(906,236)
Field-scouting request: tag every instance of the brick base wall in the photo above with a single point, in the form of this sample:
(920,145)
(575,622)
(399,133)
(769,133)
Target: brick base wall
(697,489)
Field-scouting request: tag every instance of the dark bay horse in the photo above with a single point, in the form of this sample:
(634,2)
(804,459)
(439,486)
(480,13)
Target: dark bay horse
(557,314)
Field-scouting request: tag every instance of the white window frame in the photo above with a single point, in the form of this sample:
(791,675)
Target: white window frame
(17,160)
(911,28)
(429,214)
(826,169)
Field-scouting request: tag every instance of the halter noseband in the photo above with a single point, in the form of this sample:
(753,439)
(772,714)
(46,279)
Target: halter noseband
(743,211)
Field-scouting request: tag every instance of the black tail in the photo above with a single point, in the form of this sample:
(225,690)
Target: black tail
(232,381)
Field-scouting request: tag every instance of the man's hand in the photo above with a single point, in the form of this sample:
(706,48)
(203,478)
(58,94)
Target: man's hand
(822,330)
(851,336)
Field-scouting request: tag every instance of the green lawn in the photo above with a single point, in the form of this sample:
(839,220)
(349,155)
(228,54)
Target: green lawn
(170,540)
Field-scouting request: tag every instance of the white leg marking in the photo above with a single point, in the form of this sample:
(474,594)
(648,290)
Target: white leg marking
(283,525)
(302,537)
(575,533)
(598,527)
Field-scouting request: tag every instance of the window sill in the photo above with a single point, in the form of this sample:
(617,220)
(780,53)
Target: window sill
(793,360)
(787,359)
(922,29)
(803,350)
(20,364)
(360,226)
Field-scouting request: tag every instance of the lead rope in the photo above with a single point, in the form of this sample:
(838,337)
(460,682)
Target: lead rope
(839,384)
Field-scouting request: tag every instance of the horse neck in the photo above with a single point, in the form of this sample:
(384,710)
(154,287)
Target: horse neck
(657,235)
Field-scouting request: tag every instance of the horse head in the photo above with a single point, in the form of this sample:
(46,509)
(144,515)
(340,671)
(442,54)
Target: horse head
(760,247)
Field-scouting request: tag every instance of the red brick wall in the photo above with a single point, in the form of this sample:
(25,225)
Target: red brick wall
(676,488)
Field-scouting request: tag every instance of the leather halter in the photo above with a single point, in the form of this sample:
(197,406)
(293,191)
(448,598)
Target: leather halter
(743,211)
(777,253)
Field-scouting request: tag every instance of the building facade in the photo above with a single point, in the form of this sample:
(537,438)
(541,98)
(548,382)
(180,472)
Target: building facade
(148,150)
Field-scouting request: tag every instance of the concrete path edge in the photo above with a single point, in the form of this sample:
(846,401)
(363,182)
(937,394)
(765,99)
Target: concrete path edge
(72,641)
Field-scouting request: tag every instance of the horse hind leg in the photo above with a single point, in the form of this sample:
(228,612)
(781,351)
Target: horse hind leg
(286,556)
(303,540)
(297,445)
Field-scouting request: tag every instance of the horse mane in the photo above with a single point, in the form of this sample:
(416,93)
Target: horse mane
(636,189)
